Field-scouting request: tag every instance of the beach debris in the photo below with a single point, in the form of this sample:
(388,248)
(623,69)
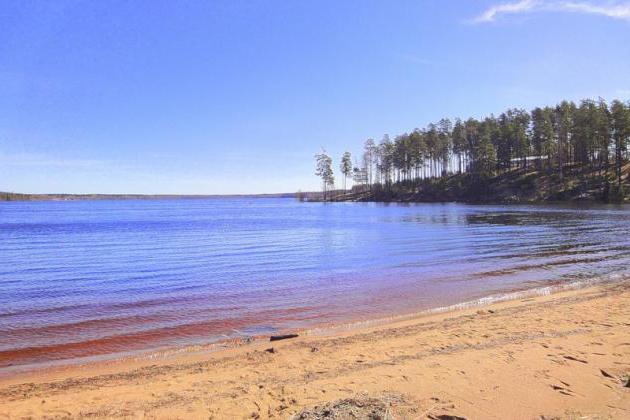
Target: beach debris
(282,337)
(388,406)
(270,350)
(360,407)
(445,417)
(627,382)
(314,349)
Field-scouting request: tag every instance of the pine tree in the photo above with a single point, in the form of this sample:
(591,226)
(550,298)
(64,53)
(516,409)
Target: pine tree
(346,167)
(620,115)
(324,170)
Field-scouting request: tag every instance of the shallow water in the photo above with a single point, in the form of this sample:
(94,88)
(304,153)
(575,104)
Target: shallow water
(89,278)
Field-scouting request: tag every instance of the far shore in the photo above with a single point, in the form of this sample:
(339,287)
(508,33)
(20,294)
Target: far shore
(10,196)
(565,355)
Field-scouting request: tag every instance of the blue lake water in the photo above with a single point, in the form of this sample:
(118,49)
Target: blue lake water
(84,278)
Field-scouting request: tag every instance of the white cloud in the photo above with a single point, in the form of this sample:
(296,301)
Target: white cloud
(615,10)
(506,8)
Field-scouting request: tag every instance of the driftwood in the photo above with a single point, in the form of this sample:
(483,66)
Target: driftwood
(282,337)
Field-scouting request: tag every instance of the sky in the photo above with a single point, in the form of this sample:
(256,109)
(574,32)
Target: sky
(219,97)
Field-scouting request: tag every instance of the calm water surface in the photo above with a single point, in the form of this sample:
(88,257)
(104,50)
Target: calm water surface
(92,278)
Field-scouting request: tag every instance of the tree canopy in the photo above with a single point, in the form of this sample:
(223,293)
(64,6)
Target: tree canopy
(592,133)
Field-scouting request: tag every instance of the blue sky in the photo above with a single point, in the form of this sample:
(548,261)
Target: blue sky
(237,96)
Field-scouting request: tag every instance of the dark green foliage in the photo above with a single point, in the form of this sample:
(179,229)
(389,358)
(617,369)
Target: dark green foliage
(617,193)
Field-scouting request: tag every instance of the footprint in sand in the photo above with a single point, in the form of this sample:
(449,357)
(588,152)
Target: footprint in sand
(575,359)
(562,390)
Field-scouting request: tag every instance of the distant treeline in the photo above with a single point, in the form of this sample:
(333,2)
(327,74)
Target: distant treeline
(593,135)
(7,196)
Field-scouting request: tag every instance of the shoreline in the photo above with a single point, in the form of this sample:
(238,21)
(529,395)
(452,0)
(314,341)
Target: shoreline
(394,339)
(220,344)
(21,197)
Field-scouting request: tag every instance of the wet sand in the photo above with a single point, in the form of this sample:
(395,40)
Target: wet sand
(565,355)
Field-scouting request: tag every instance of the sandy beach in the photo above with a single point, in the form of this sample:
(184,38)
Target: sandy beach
(565,355)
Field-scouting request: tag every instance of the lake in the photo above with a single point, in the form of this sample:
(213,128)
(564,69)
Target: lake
(104,278)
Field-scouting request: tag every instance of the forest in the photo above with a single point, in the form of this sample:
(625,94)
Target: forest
(580,148)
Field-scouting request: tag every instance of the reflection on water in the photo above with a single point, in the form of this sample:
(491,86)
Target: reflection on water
(103,277)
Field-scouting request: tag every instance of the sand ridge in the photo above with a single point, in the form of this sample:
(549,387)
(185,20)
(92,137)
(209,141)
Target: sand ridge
(561,356)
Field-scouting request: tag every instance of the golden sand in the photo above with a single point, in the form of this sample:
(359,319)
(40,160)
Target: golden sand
(565,355)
